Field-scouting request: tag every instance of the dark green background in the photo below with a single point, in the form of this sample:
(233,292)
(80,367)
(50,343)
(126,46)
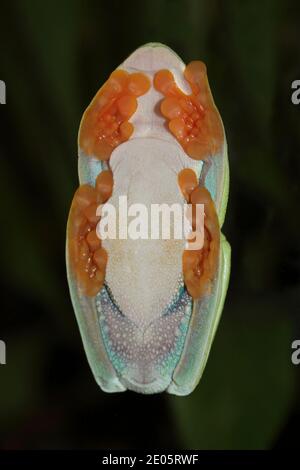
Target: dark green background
(54,57)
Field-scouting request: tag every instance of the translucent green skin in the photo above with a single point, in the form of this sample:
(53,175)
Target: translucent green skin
(205,315)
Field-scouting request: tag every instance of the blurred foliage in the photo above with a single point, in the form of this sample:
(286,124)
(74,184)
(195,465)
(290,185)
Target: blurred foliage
(247,387)
(53,57)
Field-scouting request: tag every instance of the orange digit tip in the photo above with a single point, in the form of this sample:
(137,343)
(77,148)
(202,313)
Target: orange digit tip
(117,81)
(165,83)
(195,74)
(84,196)
(104,185)
(187,180)
(138,84)
(201,195)
(91,213)
(196,149)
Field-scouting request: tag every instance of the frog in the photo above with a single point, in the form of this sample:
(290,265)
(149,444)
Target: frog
(148,309)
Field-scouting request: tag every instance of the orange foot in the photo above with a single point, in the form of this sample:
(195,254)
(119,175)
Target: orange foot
(105,124)
(193,119)
(200,266)
(88,259)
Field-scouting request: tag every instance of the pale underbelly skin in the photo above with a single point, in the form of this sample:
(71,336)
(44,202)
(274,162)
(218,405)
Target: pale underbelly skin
(143,331)
(143,274)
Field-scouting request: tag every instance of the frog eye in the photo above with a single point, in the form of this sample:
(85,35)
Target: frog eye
(148,306)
